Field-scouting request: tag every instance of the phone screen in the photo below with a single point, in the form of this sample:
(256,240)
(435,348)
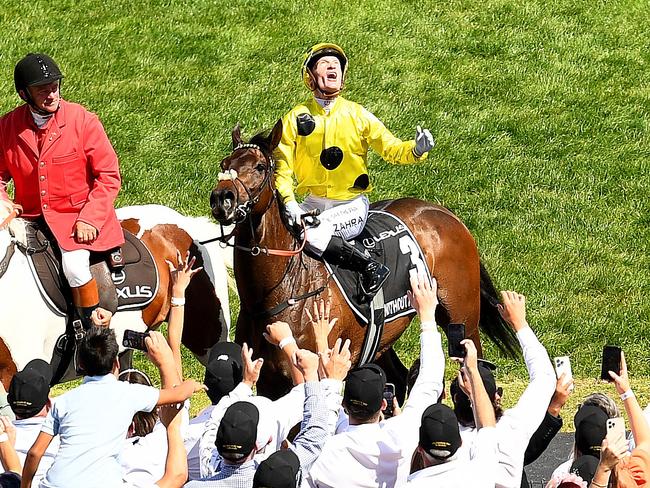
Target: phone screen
(134,339)
(455,334)
(389,394)
(611,362)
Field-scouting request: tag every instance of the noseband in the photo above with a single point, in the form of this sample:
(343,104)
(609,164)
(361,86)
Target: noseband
(243,210)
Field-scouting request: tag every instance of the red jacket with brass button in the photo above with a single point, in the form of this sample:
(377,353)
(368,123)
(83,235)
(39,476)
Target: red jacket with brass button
(74,176)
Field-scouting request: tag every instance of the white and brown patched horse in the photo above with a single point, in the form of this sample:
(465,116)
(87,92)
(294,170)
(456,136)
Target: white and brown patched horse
(32,326)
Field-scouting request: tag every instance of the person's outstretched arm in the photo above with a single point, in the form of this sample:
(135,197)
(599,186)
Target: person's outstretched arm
(180,276)
(176,463)
(638,423)
(33,458)
(428,386)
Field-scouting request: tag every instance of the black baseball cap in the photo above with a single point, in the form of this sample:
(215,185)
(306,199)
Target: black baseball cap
(364,388)
(280,470)
(591,428)
(585,467)
(9,480)
(439,431)
(224,370)
(30,388)
(238,429)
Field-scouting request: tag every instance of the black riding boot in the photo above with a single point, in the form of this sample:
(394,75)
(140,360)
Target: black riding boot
(344,254)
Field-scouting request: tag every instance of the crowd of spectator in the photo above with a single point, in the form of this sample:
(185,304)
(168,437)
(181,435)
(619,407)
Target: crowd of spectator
(333,429)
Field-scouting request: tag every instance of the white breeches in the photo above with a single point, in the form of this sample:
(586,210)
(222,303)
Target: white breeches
(76,266)
(344,218)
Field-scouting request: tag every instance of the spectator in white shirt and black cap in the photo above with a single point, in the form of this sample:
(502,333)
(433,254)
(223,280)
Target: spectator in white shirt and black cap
(237,444)
(373,452)
(434,461)
(223,372)
(516,426)
(29,399)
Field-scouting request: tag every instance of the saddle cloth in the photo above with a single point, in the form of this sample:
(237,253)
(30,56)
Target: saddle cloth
(136,284)
(389,241)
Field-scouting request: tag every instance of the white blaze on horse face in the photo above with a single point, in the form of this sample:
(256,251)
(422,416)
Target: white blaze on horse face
(27,326)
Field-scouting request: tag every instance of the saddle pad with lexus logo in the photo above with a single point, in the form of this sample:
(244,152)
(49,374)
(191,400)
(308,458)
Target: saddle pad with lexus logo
(136,284)
(389,241)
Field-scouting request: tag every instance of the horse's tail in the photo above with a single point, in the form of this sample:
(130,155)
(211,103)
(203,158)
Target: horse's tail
(491,321)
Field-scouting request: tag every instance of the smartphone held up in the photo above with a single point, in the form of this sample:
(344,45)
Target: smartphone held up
(134,339)
(455,335)
(389,395)
(611,362)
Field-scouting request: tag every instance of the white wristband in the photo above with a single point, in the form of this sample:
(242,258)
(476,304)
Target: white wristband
(178,302)
(4,437)
(626,395)
(286,341)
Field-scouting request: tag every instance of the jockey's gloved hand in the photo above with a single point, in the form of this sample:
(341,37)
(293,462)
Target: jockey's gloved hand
(293,212)
(423,142)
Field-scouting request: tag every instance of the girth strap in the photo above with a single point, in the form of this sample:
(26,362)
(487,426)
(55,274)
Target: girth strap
(281,307)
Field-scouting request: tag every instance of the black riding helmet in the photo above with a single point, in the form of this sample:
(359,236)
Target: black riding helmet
(33,70)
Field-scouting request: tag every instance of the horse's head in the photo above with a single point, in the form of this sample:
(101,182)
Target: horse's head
(246,183)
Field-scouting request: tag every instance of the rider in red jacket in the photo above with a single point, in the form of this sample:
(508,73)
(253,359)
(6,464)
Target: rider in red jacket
(64,170)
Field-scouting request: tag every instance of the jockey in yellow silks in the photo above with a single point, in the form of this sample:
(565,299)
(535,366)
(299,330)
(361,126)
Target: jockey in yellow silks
(324,146)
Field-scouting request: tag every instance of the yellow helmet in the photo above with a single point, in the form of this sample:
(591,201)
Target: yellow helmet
(316,52)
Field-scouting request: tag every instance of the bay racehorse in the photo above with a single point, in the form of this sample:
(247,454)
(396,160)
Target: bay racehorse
(30,327)
(247,199)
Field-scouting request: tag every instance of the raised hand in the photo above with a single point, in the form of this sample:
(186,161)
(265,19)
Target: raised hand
(423,297)
(307,363)
(321,323)
(513,309)
(181,274)
(252,368)
(277,332)
(338,364)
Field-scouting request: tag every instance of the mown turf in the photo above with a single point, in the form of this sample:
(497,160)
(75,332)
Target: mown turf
(540,111)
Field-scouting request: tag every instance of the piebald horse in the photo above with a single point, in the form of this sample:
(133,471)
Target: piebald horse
(29,328)
(247,198)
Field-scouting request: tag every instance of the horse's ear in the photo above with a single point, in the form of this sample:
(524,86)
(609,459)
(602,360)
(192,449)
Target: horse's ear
(276,135)
(236,136)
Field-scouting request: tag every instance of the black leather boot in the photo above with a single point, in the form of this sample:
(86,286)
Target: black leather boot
(373,274)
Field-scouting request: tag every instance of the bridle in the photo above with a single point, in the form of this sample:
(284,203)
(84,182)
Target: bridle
(243,211)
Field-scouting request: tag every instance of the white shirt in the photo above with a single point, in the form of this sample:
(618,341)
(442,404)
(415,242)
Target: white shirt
(191,438)
(379,454)
(27,431)
(276,420)
(91,422)
(477,472)
(517,424)
(143,458)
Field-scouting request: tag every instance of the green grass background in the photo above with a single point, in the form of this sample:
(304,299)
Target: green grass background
(540,110)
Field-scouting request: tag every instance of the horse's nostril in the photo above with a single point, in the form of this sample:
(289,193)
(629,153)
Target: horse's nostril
(226,199)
